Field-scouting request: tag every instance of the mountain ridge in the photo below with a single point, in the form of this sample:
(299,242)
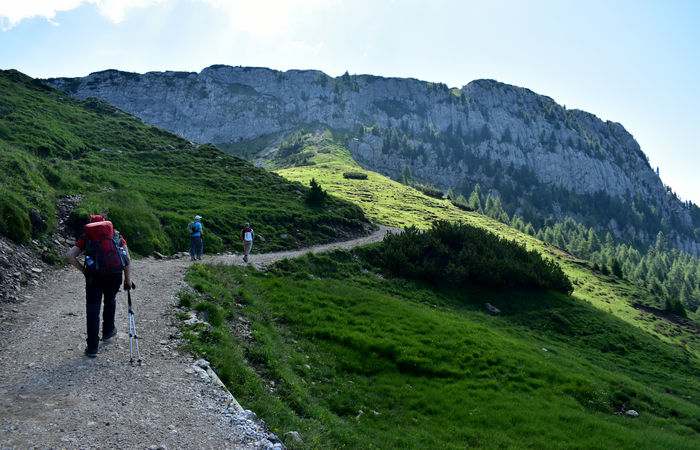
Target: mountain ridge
(541,159)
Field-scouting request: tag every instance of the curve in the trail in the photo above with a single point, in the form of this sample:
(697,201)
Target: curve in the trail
(263,260)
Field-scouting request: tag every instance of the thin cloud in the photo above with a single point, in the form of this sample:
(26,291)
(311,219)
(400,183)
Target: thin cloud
(267,18)
(115,10)
(304,47)
(12,12)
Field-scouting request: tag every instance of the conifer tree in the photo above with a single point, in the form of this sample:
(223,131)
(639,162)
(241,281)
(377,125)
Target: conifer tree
(529,229)
(616,268)
(475,199)
(593,241)
(406,176)
(316,196)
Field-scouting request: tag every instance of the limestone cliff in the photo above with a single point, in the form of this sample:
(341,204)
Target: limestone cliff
(540,157)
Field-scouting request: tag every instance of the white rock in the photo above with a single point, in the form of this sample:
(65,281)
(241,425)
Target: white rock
(294,435)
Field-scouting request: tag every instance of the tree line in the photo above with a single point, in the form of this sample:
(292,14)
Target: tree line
(670,274)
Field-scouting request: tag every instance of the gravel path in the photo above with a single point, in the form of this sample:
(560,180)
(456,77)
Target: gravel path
(52,396)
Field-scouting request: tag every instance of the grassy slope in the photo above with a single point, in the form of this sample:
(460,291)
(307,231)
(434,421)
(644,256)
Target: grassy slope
(149,182)
(429,367)
(395,204)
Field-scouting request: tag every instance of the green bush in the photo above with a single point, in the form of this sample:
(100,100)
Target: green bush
(212,313)
(675,306)
(428,190)
(461,203)
(316,195)
(355,175)
(459,253)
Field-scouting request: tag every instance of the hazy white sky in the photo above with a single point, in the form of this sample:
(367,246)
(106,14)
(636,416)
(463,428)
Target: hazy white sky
(636,62)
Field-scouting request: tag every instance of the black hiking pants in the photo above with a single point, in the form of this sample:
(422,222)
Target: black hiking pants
(98,287)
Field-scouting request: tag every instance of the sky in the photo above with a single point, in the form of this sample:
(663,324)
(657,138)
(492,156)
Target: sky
(636,62)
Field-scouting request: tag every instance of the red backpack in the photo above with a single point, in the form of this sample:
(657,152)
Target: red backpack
(104,248)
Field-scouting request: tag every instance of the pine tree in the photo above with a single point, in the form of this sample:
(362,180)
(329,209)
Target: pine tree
(660,245)
(316,196)
(475,199)
(616,268)
(529,229)
(593,241)
(406,176)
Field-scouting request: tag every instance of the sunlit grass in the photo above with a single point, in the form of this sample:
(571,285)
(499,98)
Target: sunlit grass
(347,358)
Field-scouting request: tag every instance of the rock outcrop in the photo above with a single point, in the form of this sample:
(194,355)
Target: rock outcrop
(503,137)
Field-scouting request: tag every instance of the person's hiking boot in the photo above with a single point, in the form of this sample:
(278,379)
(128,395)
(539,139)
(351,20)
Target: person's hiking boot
(109,335)
(245,258)
(90,353)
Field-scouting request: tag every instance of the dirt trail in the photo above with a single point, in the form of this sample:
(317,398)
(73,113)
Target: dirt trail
(52,396)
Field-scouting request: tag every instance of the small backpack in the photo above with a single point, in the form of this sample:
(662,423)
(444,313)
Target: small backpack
(191,228)
(105,248)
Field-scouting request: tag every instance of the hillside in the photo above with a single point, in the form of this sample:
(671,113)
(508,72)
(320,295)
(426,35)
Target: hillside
(344,354)
(150,182)
(539,158)
(395,204)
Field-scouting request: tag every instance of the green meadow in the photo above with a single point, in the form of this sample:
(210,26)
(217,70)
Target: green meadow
(350,358)
(392,203)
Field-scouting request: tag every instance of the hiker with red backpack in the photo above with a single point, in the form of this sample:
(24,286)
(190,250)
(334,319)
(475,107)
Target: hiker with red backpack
(106,257)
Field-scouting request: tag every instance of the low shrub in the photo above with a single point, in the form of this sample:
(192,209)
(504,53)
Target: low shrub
(459,253)
(462,204)
(355,175)
(674,306)
(428,190)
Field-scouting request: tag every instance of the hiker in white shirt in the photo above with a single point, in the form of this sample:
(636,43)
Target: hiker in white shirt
(247,236)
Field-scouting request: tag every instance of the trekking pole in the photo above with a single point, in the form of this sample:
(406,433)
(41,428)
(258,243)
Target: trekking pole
(132,329)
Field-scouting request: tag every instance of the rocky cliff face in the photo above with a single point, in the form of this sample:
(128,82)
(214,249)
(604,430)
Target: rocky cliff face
(503,137)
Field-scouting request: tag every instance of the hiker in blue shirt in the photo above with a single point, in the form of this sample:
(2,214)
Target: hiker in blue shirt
(196,243)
